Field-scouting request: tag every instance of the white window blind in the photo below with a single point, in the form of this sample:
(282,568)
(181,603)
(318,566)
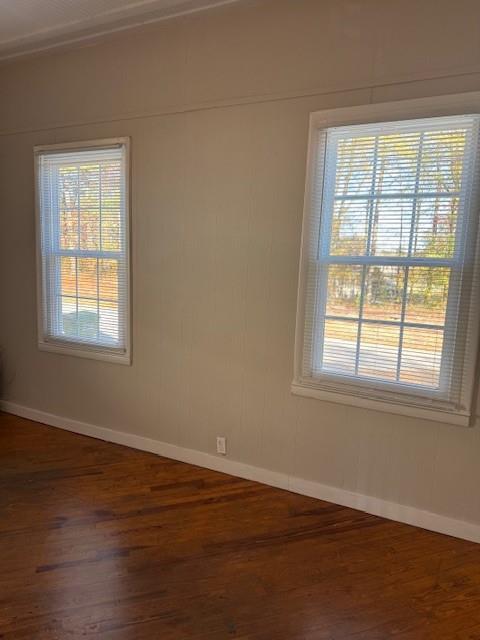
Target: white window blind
(390,245)
(83,227)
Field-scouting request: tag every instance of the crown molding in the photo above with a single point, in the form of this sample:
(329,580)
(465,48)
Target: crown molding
(99,27)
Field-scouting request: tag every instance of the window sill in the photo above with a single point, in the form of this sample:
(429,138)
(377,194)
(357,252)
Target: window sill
(86,351)
(450,417)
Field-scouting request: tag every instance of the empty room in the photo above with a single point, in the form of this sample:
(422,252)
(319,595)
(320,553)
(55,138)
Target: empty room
(239,319)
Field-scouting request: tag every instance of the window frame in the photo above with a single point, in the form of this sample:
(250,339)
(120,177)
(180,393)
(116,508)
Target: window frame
(365,393)
(122,355)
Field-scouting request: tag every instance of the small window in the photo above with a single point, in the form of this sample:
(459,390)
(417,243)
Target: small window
(389,269)
(83,240)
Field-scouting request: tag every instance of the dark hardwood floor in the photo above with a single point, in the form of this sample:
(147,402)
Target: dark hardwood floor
(101,541)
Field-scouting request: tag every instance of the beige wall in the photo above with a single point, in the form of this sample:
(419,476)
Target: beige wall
(217,107)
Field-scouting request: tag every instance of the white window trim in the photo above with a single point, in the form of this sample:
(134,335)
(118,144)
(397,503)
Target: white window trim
(466,103)
(67,347)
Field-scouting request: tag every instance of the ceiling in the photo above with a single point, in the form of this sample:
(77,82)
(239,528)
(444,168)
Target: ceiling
(27,26)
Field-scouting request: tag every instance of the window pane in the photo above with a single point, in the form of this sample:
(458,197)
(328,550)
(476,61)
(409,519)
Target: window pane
(89,230)
(349,228)
(397,163)
(421,356)
(69,317)
(384,287)
(68,276)
(354,169)
(378,355)
(435,227)
(87,277)
(340,343)
(442,161)
(108,279)
(89,176)
(391,227)
(427,295)
(87,319)
(68,229)
(68,187)
(111,185)
(109,322)
(111,230)
(343,292)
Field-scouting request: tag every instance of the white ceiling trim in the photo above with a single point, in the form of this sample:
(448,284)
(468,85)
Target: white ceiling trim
(109,22)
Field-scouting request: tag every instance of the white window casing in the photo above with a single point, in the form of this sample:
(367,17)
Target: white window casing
(83,248)
(388,297)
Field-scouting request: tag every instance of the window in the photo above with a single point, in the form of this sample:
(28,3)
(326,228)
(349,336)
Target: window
(83,240)
(389,276)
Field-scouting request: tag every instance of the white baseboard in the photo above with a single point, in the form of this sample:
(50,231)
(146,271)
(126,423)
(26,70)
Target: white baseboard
(375,506)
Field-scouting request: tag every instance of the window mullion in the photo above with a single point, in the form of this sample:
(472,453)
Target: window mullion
(101,255)
(76,292)
(54,280)
(367,251)
(98,299)
(399,196)
(402,321)
(78,210)
(391,261)
(415,195)
(360,314)
(372,193)
(390,323)
(406,276)
(100,245)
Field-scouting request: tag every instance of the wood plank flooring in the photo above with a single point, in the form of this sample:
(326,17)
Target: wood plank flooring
(103,542)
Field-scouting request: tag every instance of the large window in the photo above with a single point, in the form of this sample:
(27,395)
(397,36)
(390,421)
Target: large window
(389,263)
(83,229)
